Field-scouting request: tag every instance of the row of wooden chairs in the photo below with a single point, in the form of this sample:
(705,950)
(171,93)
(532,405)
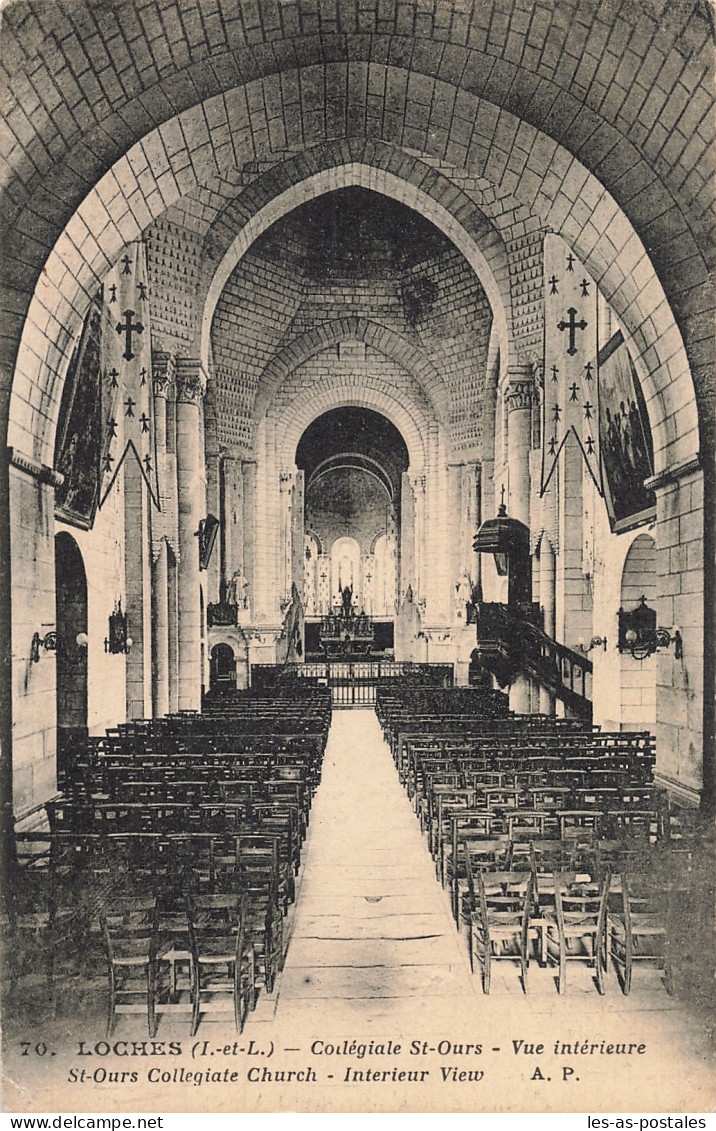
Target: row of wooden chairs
(575,917)
(170,841)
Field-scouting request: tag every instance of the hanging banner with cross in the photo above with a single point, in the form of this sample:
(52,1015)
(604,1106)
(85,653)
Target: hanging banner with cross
(128,404)
(570,411)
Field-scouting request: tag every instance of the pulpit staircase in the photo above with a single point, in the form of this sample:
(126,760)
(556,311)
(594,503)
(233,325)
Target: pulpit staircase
(511,642)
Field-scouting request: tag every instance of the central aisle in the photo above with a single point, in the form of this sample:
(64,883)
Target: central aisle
(372,928)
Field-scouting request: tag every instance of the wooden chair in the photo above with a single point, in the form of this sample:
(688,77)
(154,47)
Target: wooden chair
(477,855)
(222,957)
(575,932)
(499,927)
(130,931)
(258,875)
(640,928)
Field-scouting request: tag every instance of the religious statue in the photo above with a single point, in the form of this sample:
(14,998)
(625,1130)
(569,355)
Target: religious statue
(237,590)
(463,596)
(347,601)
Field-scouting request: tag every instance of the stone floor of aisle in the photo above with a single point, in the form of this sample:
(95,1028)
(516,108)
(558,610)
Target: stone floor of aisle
(372,930)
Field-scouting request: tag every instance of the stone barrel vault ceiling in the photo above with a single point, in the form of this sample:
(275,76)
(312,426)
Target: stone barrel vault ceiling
(182,121)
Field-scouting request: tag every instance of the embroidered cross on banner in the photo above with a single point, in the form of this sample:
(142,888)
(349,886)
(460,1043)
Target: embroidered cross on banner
(570,413)
(128,328)
(572,325)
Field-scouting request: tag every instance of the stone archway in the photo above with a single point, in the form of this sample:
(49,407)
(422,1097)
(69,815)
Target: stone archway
(71,656)
(638,676)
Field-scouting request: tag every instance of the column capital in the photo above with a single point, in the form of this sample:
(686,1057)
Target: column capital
(191,380)
(164,369)
(519,391)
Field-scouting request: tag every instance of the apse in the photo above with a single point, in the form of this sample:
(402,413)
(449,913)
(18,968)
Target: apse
(353,461)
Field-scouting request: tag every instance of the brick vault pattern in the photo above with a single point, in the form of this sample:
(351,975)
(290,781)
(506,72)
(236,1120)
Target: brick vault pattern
(468,121)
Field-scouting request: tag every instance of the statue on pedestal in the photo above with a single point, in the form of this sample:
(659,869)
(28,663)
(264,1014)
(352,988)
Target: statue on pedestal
(347,601)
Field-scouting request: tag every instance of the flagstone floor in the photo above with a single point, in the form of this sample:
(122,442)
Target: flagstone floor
(376,1008)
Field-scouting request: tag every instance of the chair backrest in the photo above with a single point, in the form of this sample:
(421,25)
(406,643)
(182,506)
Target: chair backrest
(129,919)
(216,917)
(580,898)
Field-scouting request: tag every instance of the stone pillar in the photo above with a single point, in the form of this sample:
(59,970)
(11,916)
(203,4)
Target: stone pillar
(573,615)
(173,631)
(191,385)
(248,474)
(160,633)
(547,580)
(418,483)
(297,536)
(518,405)
(213,506)
(162,379)
(284,572)
(457,506)
(232,519)
(518,400)
(407,539)
(137,583)
(521,696)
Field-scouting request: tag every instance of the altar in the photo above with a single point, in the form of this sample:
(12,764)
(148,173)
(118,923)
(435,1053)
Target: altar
(346,633)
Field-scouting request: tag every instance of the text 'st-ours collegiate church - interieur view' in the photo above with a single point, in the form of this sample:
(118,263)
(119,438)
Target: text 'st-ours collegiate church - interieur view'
(357,595)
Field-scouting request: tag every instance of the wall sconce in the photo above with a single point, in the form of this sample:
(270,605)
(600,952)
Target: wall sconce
(51,642)
(48,642)
(638,633)
(595,642)
(118,641)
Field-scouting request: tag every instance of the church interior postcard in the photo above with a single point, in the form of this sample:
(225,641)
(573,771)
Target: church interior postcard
(357,556)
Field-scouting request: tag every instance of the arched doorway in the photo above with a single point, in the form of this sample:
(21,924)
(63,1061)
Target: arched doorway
(638,676)
(222,668)
(71,656)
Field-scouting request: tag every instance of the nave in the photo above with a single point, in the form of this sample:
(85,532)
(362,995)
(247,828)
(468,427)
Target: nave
(372,954)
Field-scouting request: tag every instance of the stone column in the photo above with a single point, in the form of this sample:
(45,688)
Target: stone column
(248,474)
(160,633)
(456,521)
(213,506)
(173,630)
(407,539)
(163,378)
(191,385)
(232,518)
(137,582)
(297,535)
(547,582)
(285,513)
(418,483)
(518,400)
(518,404)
